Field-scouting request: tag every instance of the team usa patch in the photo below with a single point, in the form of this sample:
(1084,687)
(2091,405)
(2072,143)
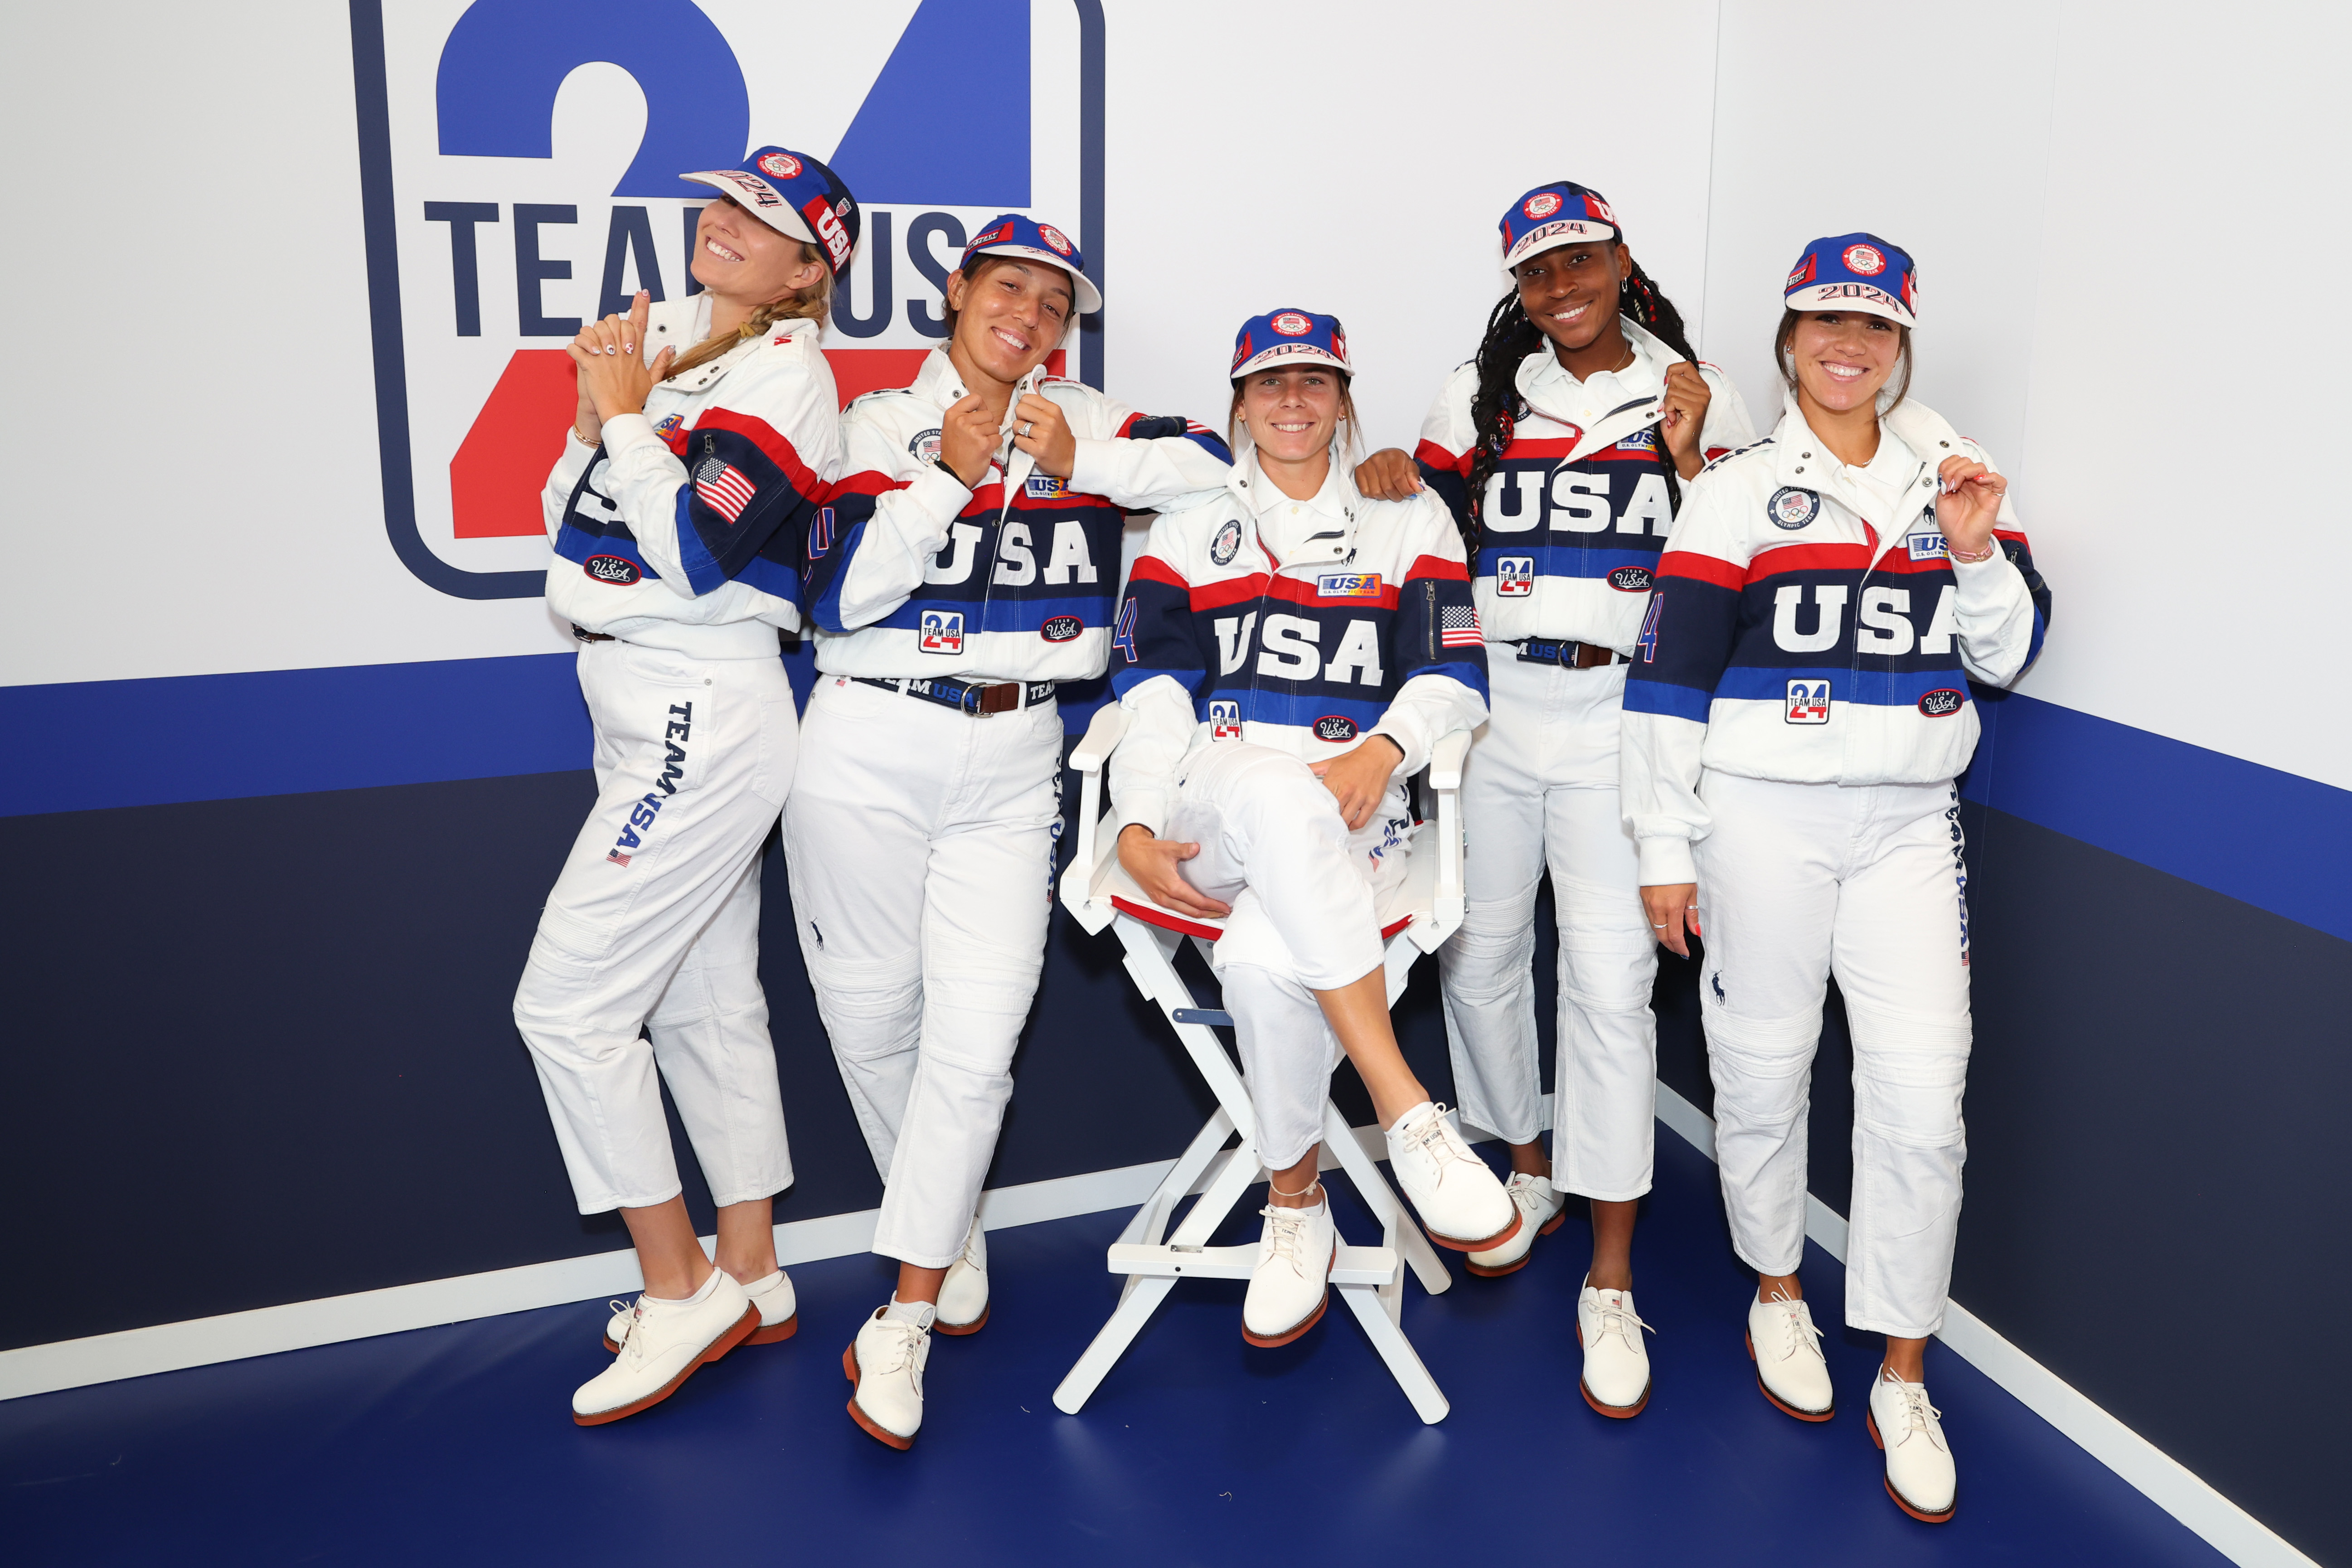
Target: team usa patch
(1224,721)
(1631,579)
(1291,324)
(1062,628)
(1928,546)
(617,569)
(1802,275)
(1865,261)
(1514,576)
(942,631)
(676,732)
(1335,728)
(925,447)
(1541,205)
(1943,703)
(1792,507)
(1227,542)
(1053,236)
(1646,439)
(1457,626)
(1047,487)
(783,165)
(1347,586)
(1809,702)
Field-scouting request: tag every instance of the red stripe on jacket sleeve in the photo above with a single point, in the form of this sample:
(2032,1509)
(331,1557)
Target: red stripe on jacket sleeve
(1700,568)
(1151,569)
(1437,566)
(866,483)
(765,437)
(1810,558)
(1438,458)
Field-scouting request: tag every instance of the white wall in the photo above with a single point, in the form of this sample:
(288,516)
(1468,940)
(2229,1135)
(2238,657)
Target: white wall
(2129,221)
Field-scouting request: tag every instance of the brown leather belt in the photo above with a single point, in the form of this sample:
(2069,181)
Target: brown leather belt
(584,635)
(1574,654)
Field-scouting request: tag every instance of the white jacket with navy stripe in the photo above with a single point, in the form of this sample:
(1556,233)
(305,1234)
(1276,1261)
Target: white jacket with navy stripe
(1303,626)
(687,528)
(911,574)
(1809,627)
(1579,502)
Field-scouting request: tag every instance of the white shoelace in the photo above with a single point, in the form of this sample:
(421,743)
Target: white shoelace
(903,1345)
(1918,1416)
(1531,1193)
(630,1309)
(1802,1330)
(1430,1139)
(1618,1317)
(1284,1228)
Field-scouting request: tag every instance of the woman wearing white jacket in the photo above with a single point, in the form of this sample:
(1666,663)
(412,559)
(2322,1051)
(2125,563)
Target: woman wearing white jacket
(1292,653)
(1798,711)
(679,512)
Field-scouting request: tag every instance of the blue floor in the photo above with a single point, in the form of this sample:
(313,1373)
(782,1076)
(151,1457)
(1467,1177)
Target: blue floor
(453,1446)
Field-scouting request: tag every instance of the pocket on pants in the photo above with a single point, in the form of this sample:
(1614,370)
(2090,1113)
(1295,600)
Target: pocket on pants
(771,775)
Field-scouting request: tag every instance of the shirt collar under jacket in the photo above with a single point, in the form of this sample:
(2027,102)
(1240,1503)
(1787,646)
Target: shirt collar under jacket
(1905,465)
(1545,383)
(939,382)
(689,320)
(1312,532)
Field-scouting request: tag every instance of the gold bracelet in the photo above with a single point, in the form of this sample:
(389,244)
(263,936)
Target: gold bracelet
(584,440)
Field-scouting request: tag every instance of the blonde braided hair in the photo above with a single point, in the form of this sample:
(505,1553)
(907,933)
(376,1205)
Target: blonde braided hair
(813,303)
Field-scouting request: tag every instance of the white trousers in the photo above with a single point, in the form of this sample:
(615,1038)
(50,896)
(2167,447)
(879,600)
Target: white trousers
(652,928)
(1539,791)
(1797,882)
(1305,892)
(920,843)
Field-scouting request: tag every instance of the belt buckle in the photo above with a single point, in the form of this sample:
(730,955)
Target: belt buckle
(969,702)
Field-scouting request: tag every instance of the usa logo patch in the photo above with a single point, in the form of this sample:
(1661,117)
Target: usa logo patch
(942,631)
(1053,236)
(1347,586)
(1791,508)
(1291,324)
(1809,702)
(925,447)
(783,165)
(1928,546)
(617,569)
(1047,487)
(1227,543)
(1631,579)
(1062,628)
(1224,721)
(1514,576)
(1335,727)
(1864,259)
(1542,204)
(1942,702)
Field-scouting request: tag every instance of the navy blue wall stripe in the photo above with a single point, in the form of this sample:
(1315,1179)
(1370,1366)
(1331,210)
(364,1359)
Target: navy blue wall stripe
(2275,840)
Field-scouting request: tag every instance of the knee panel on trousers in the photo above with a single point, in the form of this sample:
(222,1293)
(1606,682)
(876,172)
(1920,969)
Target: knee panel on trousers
(872,1008)
(1910,1075)
(1487,956)
(1761,1065)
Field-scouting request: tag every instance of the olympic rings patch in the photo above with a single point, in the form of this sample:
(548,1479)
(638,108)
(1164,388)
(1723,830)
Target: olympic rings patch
(783,165)
(1053,236)
(1864,259)
(1542,204)
(1791,508)
(1291,324)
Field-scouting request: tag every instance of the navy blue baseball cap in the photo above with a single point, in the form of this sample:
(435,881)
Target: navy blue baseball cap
(1010,234)
(1562,212)
(1855,272)
(1280,339)
(797,196)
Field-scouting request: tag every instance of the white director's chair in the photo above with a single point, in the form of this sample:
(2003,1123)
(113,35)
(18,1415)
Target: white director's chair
(1420,912)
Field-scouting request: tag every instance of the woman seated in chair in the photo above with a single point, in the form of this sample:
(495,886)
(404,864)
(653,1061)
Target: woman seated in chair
(1293,650)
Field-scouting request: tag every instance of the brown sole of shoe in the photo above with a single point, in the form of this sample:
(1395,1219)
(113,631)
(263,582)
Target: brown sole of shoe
(1614,1412)
(717,1348)
(955,1331)
(1779,1404)
(1491,1242)
(872,1429)
(1268,1341)
(1488,1271)
(1870,1420)
(783,1331)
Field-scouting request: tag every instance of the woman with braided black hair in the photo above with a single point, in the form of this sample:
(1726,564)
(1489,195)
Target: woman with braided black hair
(1561,450)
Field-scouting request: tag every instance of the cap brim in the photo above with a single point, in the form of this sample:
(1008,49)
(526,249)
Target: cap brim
(1559,232)
(1868,297)
(759,199)
(1089,298)
(1285,355)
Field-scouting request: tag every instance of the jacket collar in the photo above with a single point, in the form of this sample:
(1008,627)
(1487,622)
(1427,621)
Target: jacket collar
(1804,462)
(1319,532)
(687,322)
(1550,391)
(939,384)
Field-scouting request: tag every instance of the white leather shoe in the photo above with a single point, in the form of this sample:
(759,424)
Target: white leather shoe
(778,1313)
(1616,1379)
(665,1343)
(1290,1287)
(1787,1350)
(886,1365)
(1542,1209)
(1919,1473)
(1460,1203)
(964,1294)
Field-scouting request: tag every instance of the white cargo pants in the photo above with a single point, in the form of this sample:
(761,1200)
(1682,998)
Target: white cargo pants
(654,926)
(1304,891)
(1797,882)
(920,844)
(1539,790)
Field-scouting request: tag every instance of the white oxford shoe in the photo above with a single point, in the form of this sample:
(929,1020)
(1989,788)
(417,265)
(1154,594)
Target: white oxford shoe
(1787,1350)
(964,1294)
(1289,1288)
(885,1363)
(1541,1211)
(778,1313)
(1919,1473)
(1460,1203)
(662,1347)
(1616,1379)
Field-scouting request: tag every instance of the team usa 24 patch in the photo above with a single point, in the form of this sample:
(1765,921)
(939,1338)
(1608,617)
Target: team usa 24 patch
(1809,702)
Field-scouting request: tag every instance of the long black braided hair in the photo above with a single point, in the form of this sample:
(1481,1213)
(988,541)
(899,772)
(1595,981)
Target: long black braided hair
(1511,337)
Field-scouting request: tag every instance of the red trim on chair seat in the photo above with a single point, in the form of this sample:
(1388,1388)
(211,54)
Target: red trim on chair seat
(1389,931)
(1166,921)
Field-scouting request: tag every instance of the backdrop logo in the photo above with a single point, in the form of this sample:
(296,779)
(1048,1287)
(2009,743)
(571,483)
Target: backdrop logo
(519,165)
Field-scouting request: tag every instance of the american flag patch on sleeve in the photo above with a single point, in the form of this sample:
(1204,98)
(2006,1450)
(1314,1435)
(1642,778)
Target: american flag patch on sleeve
(1457,626)
(724,489)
